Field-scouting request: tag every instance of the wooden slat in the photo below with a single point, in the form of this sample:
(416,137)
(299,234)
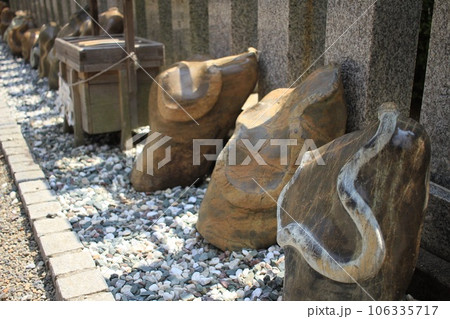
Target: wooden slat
(125,130)
(131,71)
(93,58)
(78,119)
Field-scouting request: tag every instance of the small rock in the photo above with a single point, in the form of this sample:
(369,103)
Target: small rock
(256,293)
(192,199)
(214,261)
(204,281)
(176,271)
(240,293)
(110,229)
(168,296)
(120,283)
(30,266)
(109,236)
(153,287)
(187,296)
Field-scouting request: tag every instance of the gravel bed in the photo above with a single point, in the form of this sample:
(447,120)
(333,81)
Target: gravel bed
(22,271)
(145,244)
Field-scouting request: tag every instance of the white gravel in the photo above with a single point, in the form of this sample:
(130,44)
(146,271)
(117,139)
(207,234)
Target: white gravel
(145,244)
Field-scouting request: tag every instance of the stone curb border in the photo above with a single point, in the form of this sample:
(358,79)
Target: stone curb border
(72,269)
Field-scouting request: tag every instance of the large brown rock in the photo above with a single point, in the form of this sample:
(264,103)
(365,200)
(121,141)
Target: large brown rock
(211,94)
(238,210)
(29,39)
(74,28)
(111,22)
(15,32)
(47,38)
(3,5)
(351,228)
(6,16)
(53,77)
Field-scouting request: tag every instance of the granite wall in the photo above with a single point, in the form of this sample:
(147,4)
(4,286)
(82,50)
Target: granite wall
(376,46)
(435,117)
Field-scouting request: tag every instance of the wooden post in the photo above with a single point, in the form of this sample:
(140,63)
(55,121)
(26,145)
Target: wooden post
(131,75)
(78,117)
(94,15)
(125,125)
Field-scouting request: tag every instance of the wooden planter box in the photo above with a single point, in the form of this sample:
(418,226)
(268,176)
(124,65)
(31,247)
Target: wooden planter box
(99,99)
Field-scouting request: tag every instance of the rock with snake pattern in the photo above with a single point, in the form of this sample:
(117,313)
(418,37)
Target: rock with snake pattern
(351,228)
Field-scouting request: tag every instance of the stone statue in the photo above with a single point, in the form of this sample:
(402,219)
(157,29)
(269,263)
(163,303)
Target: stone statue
(192,100)
(74,27)
(80,24)
(53,77)
(3,5)
(351,228)
(6,17)
(47,38)
(239,210)
(34,55)
(16,30)
(110,21)
(29,39)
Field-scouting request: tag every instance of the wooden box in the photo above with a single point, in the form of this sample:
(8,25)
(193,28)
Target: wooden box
(99,98)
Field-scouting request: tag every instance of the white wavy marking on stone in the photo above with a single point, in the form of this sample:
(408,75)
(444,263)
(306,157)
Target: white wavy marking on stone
(367,264)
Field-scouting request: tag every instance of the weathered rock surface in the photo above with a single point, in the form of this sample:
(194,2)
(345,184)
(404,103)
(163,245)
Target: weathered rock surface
(111,21)
(6,17)
(239,208)
(351,228)
(29,39)
(211,94)
(15,32)
(47,38)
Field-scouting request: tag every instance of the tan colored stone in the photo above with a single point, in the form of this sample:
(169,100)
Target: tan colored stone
(211,94)
(6,16)
(351,228)
(29,39)
(47,38)
(239,208)
(19,25)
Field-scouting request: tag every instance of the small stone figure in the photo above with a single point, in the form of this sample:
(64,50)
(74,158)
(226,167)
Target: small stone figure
(34,54)
(351,228)
(239,210)
(16,30)
(80,24)
(47,38)
(6,17)
(110,21)
(192,100)
(30,38)
(3,5)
